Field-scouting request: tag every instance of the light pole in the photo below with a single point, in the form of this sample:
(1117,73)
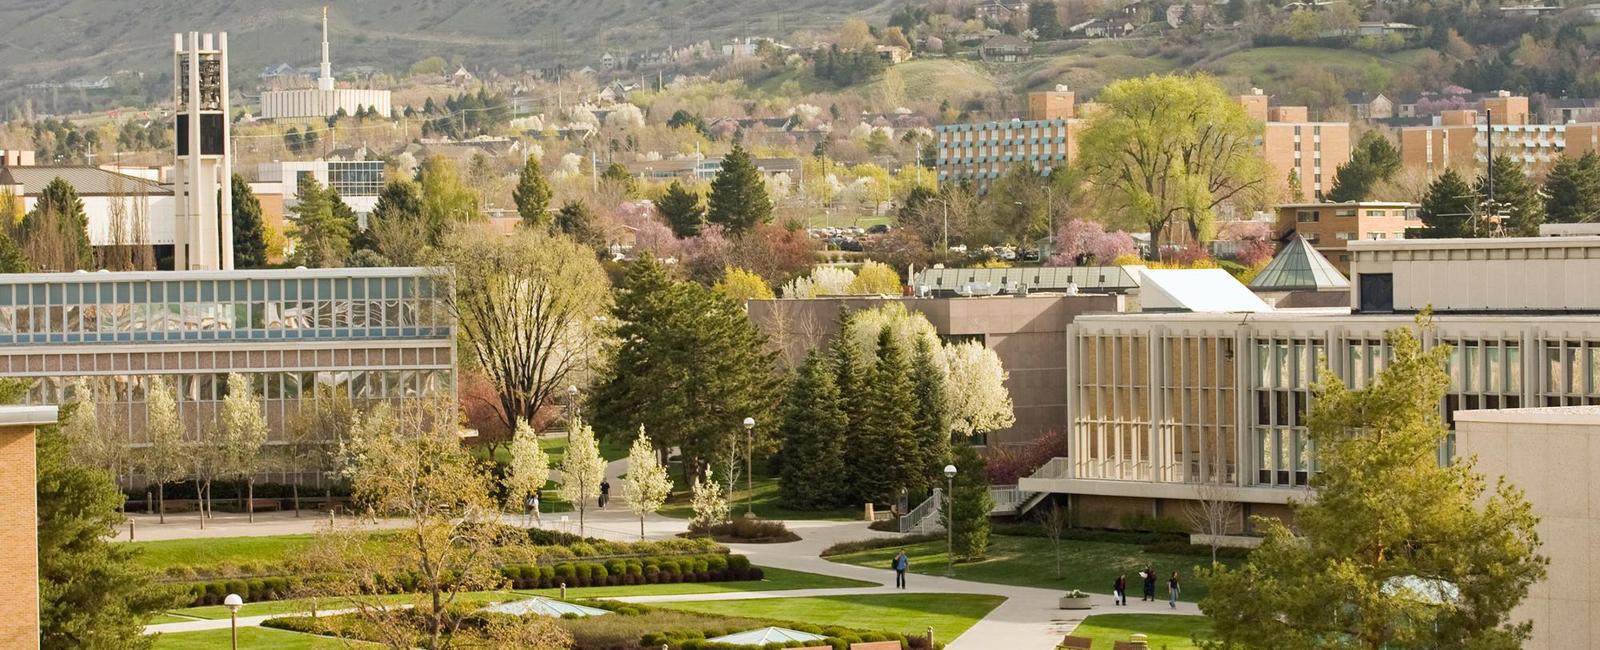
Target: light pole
(950,519)
(234,602)
(749,481)
(572,403)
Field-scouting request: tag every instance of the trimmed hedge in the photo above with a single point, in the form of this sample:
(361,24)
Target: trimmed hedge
(636,571)
(838,637)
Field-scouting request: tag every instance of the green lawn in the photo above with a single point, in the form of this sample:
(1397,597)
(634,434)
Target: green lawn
(1030,562)
(766,504)
(1165,632)
(949,614)
(776,580)
(251,638)
(213,552)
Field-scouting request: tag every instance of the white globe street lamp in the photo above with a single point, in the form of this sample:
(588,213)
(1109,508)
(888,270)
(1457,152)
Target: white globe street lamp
(234,602)
(950,519)
(749,482)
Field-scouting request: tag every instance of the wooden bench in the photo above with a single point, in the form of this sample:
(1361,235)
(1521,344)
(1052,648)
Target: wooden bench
(1076,643)
(876,645)
(1128,645)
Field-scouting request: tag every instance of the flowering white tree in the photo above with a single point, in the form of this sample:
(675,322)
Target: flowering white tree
(530,466)
(976,389)
(163,461)
(244,434)
(582,468)
(824,281)
(904,325)
(710,505)
(647,485)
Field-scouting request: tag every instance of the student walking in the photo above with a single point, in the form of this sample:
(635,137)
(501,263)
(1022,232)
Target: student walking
(1149,575)
(605,493)
(532,505)
(1119,590)
(1172,590)
(900,564)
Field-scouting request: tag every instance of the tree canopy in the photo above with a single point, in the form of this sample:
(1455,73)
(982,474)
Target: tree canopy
(680,208)
(1373,160)
(1572,189)
(249,231)
(739,198)
(1448,208)
(532,195)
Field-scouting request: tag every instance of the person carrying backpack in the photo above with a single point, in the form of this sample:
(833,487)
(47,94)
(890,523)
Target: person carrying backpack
(900,564)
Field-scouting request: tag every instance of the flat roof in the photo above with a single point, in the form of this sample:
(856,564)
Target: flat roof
(1351,204)
(237,274)
(1580,241)
(1540,414)
(21,416)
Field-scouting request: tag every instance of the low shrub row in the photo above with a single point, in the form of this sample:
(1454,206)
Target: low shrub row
(642,571)
(843,548)
(750,531)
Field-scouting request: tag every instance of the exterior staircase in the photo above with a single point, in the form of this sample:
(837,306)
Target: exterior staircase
(924,518)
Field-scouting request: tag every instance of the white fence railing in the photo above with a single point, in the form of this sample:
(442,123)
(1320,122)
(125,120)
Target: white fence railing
(1057,468)
(924,516)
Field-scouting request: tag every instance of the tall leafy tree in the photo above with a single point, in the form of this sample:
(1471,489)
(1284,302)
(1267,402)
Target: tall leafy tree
(529,467)
(249,231)
(164,459)
(813,433)
(528,307)
(532,195)
(243,429)
(680,208)
(92,592)
(689,366)
(396,228)
(322,231)
(851,370)
(56,231)
(1572,190)
(738,194)
(582,468)
(646,487)
(1395,550)
(969,505)
(932,428)
(888,458)
(1170,149)
(616,175)
(446,199)
(1516,197)
(1448,207)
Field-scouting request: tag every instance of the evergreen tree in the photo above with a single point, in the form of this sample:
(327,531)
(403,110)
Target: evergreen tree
(92,593)
(970,505)
(1572,190)
(1042,19)
(12,259)
(616,175)
(249,232)
(1373,160)
(813,433)
(738,194)
(889,459)
(57,229)
(399,205)
(690,367)
(1388,522)
(532,195)
(680,208)
(1516,197)
(323,226)
(851,374)
(932,416)
(1447,208)
(578,222)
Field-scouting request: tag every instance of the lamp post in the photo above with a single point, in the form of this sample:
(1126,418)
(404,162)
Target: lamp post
(234,602)
(572,402)
(950,519)
(749,481)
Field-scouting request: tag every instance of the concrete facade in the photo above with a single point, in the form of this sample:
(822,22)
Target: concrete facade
(984,152)
(1519,274)
(19,529)
(1292,142)
(1331,226)
(1549,454)
(1027,333)
(1459,139)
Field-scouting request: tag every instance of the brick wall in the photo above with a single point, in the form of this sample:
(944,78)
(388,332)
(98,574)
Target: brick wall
(19,564)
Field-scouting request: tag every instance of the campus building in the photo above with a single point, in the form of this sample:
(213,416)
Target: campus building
(1330,227)
(1166,401)
(19,524)
(369,334)
(1460,139)
(1292,143)
(979,153)
(277,184)
(325,100)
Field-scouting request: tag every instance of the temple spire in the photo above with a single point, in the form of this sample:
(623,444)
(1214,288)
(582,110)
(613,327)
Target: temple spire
(325,76)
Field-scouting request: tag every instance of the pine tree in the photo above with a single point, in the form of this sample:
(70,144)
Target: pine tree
(57,229)
(532,195)
(680,208)
(887,451)
(321,231)
(851,373)
(249,233)
(813,432)
(1516,197)
(932,416)
(92,592)
(1373,160)
(1387,522)
(970,505)
(12,259)
(738,194)
(395,227)
(1447,208)
(1573,189)
(578,222)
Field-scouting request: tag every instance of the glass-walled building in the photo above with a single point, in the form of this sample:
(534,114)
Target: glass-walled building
(366,335)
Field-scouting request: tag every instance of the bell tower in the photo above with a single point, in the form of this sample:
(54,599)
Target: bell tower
(203,174)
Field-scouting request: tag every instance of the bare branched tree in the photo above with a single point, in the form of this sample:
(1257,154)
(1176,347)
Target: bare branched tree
(1212,513)
(1054,522)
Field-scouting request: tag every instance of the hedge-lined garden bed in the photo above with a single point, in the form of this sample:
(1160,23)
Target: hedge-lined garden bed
(710,567)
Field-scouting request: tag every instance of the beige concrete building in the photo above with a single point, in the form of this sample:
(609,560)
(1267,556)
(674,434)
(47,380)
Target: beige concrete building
(1025,332)
(19,525)
(1459,139)
(1292,142)
(1549,453)
(1330,227)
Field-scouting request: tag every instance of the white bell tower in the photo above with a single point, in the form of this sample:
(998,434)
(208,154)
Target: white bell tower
(203,174)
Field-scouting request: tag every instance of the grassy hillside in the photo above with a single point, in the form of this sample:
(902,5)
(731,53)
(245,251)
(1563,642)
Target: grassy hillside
(46,39)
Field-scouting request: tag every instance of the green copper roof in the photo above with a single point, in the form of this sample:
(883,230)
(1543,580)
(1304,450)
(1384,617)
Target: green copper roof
(1299,267)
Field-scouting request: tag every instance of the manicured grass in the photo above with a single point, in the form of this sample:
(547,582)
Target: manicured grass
(766,503)
(776,580)
(949,614)
(1165,632)
(252,638)
(270,550)
(1030,562)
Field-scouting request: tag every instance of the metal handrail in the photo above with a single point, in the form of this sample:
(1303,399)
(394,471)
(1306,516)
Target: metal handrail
(927,508)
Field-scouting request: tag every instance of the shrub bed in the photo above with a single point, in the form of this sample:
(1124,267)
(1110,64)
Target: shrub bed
(886,542)
(747,531)
(640,571)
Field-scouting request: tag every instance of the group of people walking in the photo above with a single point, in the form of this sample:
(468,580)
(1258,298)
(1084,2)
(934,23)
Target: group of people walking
(1119,589)
(531,515)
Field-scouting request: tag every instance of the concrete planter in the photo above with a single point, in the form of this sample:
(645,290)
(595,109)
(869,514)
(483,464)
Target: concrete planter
(1074,602)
